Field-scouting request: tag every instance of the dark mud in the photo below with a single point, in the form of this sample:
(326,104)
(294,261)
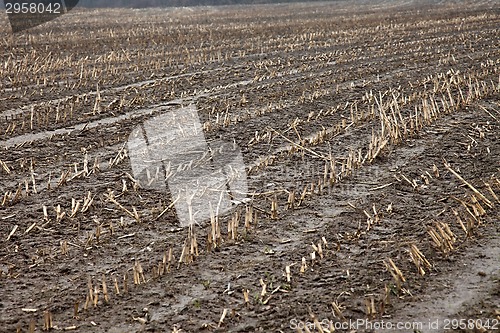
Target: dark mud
(253,72)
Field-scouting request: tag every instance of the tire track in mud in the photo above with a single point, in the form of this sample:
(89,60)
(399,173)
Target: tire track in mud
(194,296)
(113,90)
(475,278)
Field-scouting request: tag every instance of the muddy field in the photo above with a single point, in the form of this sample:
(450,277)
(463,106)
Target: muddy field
(370,135)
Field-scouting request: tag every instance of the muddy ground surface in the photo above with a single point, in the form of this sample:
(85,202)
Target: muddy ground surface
(381,120)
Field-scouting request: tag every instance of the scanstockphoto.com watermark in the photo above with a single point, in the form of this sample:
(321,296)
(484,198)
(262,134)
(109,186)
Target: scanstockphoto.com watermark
(169,153)
(431,325)
(356,325)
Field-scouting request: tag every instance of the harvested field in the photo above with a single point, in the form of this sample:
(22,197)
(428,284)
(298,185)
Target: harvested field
(370,135)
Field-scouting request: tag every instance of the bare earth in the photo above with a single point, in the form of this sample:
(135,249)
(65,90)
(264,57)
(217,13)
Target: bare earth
(373,126)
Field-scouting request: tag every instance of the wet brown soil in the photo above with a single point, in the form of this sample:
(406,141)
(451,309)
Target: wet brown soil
(270,78)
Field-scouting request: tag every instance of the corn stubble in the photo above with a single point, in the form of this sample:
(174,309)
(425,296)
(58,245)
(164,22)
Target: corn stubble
(398,115)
